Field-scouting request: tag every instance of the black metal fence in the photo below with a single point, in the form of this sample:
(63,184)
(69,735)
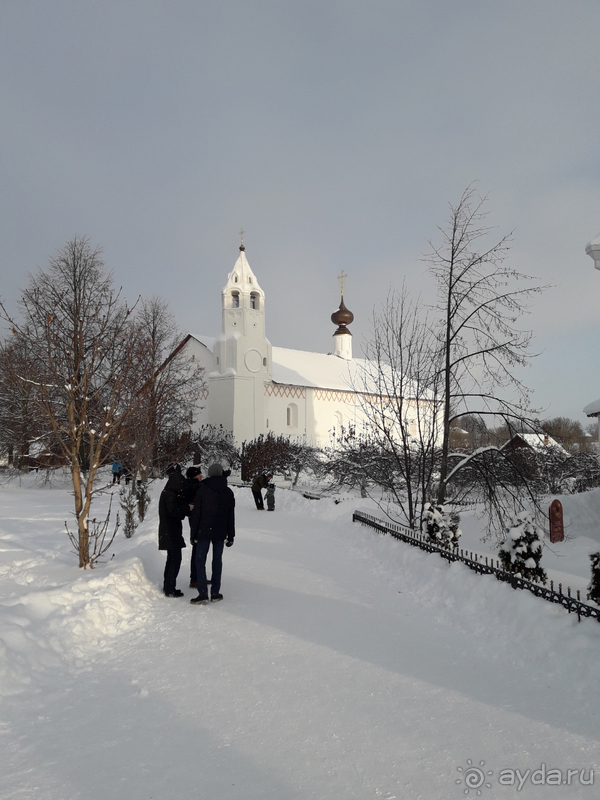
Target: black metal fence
(484,565)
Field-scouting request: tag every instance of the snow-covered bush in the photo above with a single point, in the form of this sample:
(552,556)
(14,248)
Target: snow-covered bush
(594,584)
(441,526)
(521,551)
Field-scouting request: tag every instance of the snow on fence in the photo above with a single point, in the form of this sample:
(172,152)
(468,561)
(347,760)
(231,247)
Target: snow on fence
(484,565)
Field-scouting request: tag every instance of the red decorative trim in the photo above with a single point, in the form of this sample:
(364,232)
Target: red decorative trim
(280,390)
(335,396)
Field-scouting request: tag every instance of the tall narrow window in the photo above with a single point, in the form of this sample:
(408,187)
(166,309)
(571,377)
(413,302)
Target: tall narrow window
(235,299)
(254,300)
(336,429)
(292,415)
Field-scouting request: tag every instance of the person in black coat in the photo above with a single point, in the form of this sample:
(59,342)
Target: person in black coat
(212,520)
(193,475)
(260,482)
(173,507)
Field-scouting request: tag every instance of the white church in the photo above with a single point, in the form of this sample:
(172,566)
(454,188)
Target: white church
(253,387)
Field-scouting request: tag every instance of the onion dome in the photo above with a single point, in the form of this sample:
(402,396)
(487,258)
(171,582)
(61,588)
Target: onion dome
(341,318)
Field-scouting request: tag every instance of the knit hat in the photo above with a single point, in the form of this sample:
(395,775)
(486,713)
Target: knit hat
(193,472)
(215,470)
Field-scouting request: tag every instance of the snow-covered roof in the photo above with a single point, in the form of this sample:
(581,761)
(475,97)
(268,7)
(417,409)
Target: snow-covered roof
(540,442)
(318,370)
(38,449)
(328,371)
(207,341)
(315,370)
(592,409)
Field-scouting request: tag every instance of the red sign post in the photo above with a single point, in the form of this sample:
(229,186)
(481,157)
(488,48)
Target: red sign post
(557,529)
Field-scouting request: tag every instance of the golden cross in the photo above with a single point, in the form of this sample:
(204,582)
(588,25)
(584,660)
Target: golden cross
(341,277)
(242,235)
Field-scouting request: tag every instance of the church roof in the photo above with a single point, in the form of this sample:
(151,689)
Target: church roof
(317,370)
(241,276)
(314,370)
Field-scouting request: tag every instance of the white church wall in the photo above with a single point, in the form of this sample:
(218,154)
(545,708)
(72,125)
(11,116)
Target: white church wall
(316,415)
(334,411)
(221,402)
(279,400)
(200,356)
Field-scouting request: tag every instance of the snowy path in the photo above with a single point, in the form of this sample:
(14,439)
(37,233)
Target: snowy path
(341,666)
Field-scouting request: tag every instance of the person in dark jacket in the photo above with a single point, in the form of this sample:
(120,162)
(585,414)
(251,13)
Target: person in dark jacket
(212,520)
(193,475)
(260,482)
(173,507)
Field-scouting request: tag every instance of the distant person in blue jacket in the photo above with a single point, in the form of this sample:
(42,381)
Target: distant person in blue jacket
(117,471)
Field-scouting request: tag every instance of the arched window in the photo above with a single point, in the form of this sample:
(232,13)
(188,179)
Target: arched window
(292,415)
(235,299)
(254,300)
(336,430)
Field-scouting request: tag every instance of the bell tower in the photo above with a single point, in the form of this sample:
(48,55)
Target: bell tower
(243,301)
(242,355)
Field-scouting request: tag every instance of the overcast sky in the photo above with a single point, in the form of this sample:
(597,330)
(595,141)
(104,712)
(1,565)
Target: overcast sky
(334,132)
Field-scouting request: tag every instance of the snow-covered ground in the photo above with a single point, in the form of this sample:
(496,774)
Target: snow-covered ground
(341,665)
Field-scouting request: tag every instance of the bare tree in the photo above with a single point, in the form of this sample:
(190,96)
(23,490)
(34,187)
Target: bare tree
(83,355)
(355,460)
(479,303)
(157,430)
(569,433)
(476,430)
(400,397)
(214,443)
(430,369)
(21,428)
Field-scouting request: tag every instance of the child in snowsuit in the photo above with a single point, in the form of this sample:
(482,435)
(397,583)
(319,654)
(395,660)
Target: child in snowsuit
(270,496)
